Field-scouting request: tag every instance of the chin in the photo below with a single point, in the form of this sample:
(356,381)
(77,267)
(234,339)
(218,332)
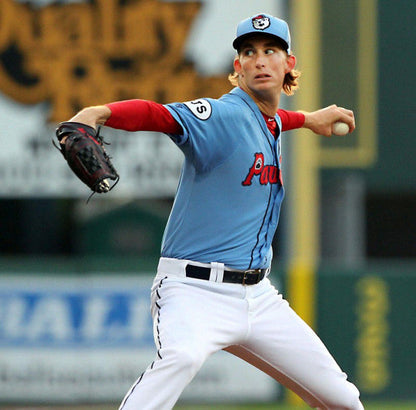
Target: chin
(264,89)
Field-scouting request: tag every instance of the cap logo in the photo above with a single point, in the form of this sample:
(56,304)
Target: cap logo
(260,22)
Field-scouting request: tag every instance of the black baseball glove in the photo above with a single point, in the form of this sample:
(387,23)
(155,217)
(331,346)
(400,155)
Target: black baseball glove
(83,149)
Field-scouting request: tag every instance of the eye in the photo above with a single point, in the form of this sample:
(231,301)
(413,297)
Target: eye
(248,52)
(269,51)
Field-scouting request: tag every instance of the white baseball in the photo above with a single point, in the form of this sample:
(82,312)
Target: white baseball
(340,128)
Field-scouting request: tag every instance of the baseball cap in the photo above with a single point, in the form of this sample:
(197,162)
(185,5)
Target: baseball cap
(264,24)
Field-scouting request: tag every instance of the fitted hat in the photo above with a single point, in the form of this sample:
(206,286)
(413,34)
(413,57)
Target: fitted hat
(263,24)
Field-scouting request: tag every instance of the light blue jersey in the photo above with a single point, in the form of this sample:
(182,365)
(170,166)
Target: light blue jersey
(228,201)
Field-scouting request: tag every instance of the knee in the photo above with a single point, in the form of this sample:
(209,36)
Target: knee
(352,398)
(347,399)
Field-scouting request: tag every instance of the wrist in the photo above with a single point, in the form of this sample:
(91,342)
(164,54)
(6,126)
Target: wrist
(304,118)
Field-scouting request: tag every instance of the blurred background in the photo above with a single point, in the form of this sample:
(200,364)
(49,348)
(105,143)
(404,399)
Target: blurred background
(75,278)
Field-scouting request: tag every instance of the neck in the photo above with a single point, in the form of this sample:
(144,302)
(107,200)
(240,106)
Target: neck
(268,102)
(267,108)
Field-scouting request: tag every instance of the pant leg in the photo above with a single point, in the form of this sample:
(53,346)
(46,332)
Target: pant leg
(191,321)
(284,346)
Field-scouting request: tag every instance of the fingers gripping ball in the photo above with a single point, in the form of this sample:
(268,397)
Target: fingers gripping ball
(83,149)
(340,128)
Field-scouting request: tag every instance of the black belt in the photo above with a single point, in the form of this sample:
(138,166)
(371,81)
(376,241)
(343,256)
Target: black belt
(247,277)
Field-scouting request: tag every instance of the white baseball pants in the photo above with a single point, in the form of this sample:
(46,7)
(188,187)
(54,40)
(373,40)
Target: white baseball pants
(195,318)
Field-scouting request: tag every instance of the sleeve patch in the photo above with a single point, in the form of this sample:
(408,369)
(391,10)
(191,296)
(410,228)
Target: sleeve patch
(200,108)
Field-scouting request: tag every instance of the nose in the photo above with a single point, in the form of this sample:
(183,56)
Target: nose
(259,61)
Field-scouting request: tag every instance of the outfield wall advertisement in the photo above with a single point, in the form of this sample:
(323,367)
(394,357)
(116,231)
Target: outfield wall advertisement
(367,319)
(87,339)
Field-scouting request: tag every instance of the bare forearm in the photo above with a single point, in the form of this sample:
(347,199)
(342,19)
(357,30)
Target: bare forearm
(93,116)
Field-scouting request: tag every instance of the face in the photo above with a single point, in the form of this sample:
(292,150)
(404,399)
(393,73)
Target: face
(262,66)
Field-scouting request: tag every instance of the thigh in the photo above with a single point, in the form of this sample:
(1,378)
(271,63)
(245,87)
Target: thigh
(195,313)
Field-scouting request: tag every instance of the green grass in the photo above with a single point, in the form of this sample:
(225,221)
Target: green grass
(368,406)
(274,406)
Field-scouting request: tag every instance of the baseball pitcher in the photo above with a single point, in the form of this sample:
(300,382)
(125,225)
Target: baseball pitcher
(211,291)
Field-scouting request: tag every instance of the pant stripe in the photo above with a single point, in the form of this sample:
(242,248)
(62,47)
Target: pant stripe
(158,350)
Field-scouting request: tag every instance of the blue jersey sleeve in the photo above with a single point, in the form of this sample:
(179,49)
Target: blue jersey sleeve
(209,130)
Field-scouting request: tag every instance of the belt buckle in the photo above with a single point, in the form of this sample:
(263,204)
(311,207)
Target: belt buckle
(249,272)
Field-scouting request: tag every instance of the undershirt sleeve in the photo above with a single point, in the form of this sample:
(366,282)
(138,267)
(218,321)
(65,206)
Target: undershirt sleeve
(291,119)
(145,115)
(142,115)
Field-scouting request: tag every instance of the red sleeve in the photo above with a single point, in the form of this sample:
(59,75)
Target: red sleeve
(291,119)
(142,115)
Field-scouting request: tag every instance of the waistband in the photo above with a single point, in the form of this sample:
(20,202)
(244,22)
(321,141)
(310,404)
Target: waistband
(214,271)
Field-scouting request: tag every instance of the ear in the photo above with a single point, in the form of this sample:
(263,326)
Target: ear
(290,63)
(237,64)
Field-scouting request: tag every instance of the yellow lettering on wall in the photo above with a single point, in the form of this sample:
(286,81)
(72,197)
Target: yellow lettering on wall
(373,348)
(90,53)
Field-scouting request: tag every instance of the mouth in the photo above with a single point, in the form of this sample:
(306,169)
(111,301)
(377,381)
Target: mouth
(262,76)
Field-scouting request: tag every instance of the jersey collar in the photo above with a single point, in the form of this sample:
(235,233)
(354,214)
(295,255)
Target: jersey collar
(249,101)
